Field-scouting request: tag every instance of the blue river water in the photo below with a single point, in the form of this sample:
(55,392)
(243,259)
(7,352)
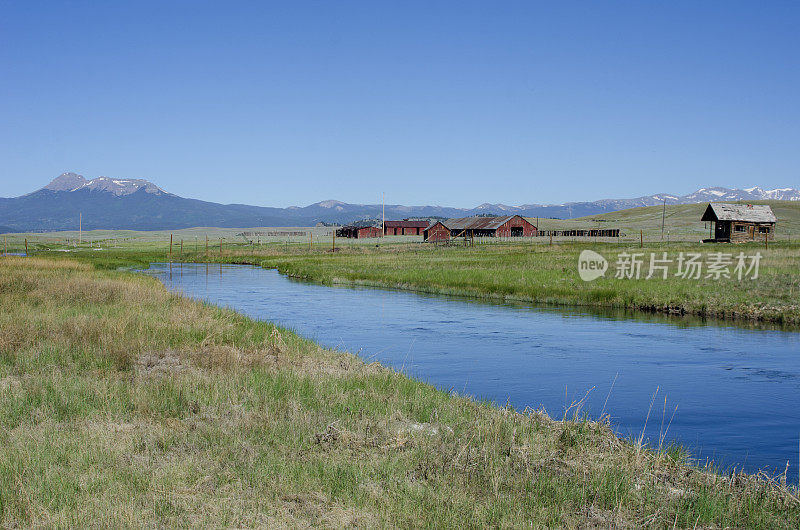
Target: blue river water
(728,394)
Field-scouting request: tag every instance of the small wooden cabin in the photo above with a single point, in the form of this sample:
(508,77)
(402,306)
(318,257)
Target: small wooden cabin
(510,226)
(737,223)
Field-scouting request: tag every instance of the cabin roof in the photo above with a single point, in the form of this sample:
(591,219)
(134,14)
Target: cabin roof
(750,213)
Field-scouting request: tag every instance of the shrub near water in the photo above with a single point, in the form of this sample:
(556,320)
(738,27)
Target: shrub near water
(124,405)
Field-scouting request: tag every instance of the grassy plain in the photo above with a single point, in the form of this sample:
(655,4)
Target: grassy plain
(124,405)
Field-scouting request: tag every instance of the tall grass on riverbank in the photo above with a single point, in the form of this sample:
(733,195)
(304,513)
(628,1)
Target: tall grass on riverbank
(121,404)
(549,275)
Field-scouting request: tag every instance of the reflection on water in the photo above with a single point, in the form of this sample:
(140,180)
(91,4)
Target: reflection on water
(737,390)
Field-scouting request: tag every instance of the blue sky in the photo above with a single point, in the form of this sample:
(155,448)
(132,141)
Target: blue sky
(451,103)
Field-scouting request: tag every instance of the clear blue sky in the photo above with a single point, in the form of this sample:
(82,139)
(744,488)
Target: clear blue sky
(431,102)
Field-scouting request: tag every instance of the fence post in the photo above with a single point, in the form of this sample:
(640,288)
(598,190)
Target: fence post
(206,245)
(26,247)
(641,238)
(220,246)
(170,246)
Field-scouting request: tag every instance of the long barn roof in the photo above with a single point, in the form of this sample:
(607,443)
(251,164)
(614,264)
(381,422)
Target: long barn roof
(406,224)
(750,213)
(475,223)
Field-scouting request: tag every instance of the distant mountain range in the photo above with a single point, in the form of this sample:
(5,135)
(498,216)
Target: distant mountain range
(138,204)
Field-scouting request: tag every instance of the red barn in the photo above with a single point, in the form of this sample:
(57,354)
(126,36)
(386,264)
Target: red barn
(358,232)
(404,228)
(437,232)
(511,226)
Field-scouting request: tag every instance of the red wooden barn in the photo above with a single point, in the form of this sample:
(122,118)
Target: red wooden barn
(511,226)
(404,228)
(358,232)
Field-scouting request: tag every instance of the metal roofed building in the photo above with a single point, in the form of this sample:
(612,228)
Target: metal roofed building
(509,226)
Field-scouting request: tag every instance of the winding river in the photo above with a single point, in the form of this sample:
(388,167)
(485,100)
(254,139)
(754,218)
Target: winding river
(728,394)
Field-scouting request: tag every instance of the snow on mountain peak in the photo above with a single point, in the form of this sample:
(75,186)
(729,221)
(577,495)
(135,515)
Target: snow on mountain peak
(330,204)
(119,187)
(66,182)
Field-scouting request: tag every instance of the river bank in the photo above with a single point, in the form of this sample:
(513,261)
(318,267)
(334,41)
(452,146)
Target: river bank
(123,403)
(532,272)
(548,275)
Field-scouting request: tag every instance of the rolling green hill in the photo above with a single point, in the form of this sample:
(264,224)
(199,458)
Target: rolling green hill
(681,221)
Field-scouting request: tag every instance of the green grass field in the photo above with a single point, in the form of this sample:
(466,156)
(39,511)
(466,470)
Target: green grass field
(124,405)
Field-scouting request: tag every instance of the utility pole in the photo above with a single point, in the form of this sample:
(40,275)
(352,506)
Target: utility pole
(383,221)
(80,228)
(663,217)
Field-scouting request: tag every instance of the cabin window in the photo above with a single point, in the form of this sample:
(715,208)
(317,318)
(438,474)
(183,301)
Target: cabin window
(763,229)
(740,228)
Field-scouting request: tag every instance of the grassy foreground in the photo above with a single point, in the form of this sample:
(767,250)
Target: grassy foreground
(124,405)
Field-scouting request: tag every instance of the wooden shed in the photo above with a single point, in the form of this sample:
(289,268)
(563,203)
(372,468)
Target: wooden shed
(738,223)
(510,226)
(436,232)
(358,232)
(404,228)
